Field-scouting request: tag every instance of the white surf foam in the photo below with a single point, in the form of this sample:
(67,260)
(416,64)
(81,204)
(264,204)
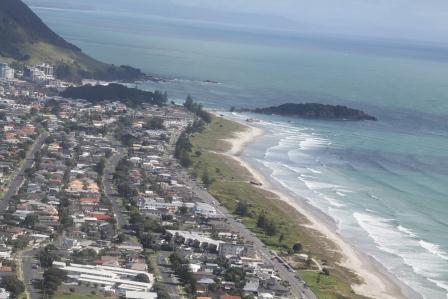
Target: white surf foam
(407,231)
(440,284)
(426,260)
(334,202)
(314,170)
(434,249)
(315,185)
(340,193)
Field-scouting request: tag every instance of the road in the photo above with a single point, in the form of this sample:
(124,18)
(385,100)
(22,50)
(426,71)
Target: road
(108,184)
(166,274)
(28,259)
(19,178)
(298,287)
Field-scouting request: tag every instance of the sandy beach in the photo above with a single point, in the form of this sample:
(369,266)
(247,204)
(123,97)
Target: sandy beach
(377,283)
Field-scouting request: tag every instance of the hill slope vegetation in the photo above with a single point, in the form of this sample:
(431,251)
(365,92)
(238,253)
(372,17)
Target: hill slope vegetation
(25,39)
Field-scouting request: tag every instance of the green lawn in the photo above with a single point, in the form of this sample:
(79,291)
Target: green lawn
(327,287)
(77,296)
(212,137)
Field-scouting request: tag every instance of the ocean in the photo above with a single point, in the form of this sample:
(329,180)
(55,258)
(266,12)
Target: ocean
(384,183)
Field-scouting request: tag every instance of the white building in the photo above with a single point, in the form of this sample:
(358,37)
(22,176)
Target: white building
(140,295)
(6,72)
(206,210)
(47,70)
(120,279)
(4,294)
(40,73)
(196,238)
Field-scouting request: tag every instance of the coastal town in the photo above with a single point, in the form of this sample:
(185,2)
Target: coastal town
(96,202)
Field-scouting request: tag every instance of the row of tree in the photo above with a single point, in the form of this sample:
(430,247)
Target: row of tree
(267,224)
(183,150)
(182,269)
(197,109)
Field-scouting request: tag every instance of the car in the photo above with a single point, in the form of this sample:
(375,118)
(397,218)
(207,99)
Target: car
(35,266)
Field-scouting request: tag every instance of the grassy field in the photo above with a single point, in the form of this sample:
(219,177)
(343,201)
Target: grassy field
(231,184)
(326,287)
(77,296)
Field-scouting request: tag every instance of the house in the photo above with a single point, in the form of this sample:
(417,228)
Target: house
(121,279)
(205,210)
(265,296)
(195,239)
(252,285)
(4,294)
(228,250)
(140,295)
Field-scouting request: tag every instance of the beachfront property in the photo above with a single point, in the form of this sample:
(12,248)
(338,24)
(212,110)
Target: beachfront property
(39,73)
(193,238)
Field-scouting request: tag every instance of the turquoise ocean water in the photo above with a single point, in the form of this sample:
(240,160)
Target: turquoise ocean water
(385,183)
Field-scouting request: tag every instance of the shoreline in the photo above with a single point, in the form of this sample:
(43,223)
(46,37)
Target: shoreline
(377,282)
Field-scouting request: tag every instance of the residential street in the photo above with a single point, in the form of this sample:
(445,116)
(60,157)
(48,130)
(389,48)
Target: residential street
(108,184)
(167,277)
(28,259)
(17,181)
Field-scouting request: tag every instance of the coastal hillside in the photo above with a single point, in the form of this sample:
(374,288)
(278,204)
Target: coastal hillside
(316,111)
(26,39)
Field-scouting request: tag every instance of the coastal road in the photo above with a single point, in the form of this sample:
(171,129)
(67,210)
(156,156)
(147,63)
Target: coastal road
(108,184)
(298,288)
(19,178)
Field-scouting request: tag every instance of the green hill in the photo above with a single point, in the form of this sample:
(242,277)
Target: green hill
(25,39)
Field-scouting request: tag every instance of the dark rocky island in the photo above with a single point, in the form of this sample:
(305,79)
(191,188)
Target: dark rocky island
(316,111)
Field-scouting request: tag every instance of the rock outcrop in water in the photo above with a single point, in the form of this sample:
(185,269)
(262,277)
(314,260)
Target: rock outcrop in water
(316,111)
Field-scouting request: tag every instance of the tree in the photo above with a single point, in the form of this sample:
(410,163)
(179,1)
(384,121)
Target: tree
(261,220)
(185,159)
(183,210)
(206,179)
(162,292)
(196,108)
(297,247)
(155,123)
(30,220)
(281,237)
(236,275)
(52,279)
(242,208)
(13,284)
(46,257)
(270,227)
(188,104)
(182,269)
(147,241)
(141,278)
(99,167)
